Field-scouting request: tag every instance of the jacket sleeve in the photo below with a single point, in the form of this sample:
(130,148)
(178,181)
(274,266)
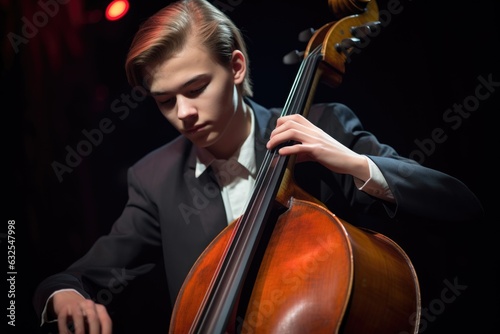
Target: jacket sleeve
(418,190)
(113,262)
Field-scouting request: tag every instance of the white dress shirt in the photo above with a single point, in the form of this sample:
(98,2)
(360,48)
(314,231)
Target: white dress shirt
(236,176)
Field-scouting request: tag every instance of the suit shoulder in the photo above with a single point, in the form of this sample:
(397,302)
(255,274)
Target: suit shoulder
(168,154)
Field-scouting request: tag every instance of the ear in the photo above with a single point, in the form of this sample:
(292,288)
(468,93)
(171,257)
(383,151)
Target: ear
(239,66)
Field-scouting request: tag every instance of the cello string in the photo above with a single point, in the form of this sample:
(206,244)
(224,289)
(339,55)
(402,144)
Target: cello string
(267,171)
(292,106)
(242,232)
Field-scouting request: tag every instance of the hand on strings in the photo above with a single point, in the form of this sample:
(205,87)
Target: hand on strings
(313,144)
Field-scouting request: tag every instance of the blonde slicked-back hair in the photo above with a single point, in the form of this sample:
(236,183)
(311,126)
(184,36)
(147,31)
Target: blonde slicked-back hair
(164,34)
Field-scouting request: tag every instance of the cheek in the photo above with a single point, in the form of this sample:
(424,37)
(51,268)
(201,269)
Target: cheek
(225,89)
(228,100)
(220,101)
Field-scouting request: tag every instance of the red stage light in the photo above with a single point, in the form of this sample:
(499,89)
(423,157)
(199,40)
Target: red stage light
(116,9)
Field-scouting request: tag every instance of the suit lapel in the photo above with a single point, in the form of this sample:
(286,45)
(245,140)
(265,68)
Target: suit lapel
(212,217)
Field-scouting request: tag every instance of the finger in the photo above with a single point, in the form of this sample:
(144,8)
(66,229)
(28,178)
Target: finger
(299,150)
(105,320)
(63,326)
(292,130)
(79,322)
(66,322)
(282,137)
(294,121)
(92,321)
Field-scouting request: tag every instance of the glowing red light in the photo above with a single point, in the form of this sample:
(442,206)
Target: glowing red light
(117,9)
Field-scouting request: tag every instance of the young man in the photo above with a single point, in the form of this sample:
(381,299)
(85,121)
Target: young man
(193,61)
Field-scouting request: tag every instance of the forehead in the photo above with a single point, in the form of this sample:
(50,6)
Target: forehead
(193,60)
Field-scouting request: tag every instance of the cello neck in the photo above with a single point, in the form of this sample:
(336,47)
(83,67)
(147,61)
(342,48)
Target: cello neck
(219,301)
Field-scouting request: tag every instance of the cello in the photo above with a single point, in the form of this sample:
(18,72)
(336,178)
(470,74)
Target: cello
(288,264)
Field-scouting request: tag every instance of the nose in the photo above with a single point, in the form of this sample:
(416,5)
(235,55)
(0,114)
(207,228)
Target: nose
(185,108)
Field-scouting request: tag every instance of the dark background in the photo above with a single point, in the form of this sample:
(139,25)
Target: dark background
(66,76)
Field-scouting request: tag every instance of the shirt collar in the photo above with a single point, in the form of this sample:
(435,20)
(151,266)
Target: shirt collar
(245,155)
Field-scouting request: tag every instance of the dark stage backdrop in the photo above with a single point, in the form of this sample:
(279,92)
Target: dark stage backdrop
(63,76)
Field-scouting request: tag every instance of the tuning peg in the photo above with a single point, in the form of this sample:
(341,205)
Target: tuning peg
(293,57)
(305,35)
(371,28)
(346,45)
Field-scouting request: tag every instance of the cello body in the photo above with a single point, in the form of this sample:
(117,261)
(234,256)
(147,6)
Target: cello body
(288,264)
(317,274)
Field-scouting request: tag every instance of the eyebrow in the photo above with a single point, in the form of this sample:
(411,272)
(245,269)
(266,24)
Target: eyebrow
(187,83)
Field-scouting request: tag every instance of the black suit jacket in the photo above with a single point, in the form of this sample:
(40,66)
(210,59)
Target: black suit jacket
(171,216)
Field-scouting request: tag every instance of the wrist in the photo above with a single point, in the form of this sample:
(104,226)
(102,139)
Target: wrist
(361,168)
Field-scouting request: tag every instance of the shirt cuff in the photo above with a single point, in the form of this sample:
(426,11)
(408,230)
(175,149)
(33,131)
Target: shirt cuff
(376,185)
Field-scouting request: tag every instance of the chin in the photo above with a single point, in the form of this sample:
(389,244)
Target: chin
(204,142)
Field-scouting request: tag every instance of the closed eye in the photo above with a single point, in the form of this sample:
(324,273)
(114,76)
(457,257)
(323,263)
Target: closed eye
(191,94)
(197,91)
(166,102)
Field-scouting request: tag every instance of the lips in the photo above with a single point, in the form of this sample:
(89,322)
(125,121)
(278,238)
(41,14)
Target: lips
(194,129)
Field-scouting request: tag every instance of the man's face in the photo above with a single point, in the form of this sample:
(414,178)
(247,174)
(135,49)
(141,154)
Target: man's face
(196,94)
